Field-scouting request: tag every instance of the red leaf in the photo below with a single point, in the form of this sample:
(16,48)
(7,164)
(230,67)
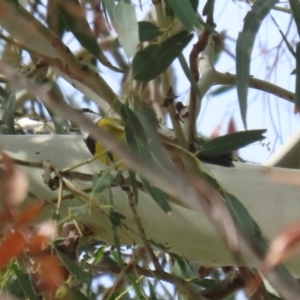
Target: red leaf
(29,214)
(216,132)
(12,246)
(231,126)
(52,272)
(285,245)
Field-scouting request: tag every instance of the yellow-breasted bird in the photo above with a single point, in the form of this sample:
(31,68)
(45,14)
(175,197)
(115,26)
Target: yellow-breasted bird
(115,127)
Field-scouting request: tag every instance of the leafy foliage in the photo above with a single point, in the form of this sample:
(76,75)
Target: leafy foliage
(110,246)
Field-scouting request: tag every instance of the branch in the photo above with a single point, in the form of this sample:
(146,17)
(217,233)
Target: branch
(182,285)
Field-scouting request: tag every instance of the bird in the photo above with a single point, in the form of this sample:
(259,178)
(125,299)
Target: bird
(116,128)
(113,126)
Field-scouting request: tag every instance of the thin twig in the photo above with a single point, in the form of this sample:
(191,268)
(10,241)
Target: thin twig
(182,285)
(197,48)
(132,204)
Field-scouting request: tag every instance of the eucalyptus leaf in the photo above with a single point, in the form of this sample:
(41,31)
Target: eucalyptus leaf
(116,218)
(156,58)
(205,283)
(158,195)
(232,141)
(54,18)
(187,71)
(297,100)
(25,282)
(148,31)
(138,142)
(241,216)
(75,21)
(185,13)
(8,110)
(126,25)
(78,295)
(102,183)
(295,7)
(244,48)
(109,7)
(152,291)
(74,268)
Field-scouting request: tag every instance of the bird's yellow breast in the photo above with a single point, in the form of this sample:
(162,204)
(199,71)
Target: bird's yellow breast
(113,126)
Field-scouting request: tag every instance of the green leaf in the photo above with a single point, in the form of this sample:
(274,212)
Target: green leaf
(116,218)
(25,283)
(55,19)
(134,133)
(109,7)
(148,31)
(78,295)
(221,90)
(158,195)
(297,100)
(231,142)
(138,142)
(185,13)
(244,47)
(61,125)
(75,21)
(187,71)
(126,26)
(74,268)
(155,59)
(208,8)
(152,291)
(8,118)
(206,283)
(98,255)
(241,216)
(295,6)
(102,183)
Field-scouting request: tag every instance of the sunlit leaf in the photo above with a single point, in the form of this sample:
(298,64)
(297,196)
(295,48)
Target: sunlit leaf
(126,25)
(185,13)
(244,47)
(155,59)
(148,31)
(232,141)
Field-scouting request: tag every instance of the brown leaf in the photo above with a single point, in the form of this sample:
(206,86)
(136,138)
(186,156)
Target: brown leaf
(283,247)
(216,132)
(29,214)
(14,186)
(231,126)
(52,273)
(12,246)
